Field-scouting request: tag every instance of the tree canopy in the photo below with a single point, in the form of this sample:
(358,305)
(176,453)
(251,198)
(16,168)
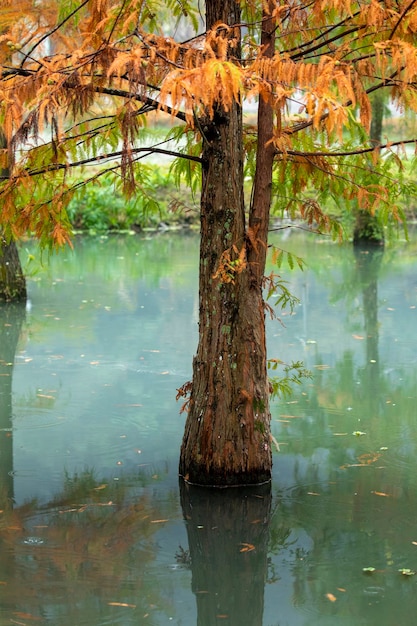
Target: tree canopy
(82,83)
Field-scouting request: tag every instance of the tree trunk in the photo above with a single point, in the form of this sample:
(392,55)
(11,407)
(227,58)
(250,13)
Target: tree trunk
(368,228)
(12,280)
(227,432)
(228,535)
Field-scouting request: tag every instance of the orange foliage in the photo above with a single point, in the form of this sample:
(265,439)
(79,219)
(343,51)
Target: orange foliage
(58,72)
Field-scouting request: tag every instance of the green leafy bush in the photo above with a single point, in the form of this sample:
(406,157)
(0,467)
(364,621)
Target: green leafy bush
(101,206)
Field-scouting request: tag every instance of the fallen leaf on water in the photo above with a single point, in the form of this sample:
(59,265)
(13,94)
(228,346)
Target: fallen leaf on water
(312,493)
(369,458)
(135,404)
(159,521)
(222,616)
(406,572)
(100,487)
(368,570)
(359,337)
(331,597)
(341,589)
(322,367)
(358,433)
(414,543)
(129,606)
(381,493)
(247,547)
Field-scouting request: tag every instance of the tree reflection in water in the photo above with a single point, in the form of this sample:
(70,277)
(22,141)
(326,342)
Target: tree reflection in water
(82,558)
(228,534)
(11,320)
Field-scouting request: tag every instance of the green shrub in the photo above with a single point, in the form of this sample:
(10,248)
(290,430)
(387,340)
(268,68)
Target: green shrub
(101,206)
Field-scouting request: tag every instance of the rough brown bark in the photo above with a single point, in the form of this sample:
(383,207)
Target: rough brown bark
(227,432)
(12,280)
(228,534)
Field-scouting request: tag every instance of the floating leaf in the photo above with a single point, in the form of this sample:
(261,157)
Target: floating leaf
(368,570)
(247,547)
(129,606)
(28,616)
(406,572)
(358,433)
(331,597)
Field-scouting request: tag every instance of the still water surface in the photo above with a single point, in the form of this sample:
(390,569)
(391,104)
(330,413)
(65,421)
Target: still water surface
(94,527)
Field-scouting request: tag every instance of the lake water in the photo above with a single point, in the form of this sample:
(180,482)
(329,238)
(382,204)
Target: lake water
(94,527)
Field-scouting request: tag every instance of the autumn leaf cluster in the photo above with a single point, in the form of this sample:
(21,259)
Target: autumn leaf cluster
(78,82)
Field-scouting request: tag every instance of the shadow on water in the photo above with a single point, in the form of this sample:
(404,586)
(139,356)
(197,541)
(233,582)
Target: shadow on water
(12,317)
(368,265)
(228,535)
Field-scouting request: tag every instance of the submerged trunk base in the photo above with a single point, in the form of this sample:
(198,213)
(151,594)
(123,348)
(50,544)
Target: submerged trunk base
(197,475)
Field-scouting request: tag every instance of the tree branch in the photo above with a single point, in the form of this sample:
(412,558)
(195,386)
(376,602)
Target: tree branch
(400,19)
(349,152)
(53,167)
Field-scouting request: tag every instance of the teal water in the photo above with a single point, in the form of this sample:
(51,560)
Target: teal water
(93,527)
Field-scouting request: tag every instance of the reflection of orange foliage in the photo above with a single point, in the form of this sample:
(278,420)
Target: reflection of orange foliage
(364,460)
(369,457)
(86,549)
